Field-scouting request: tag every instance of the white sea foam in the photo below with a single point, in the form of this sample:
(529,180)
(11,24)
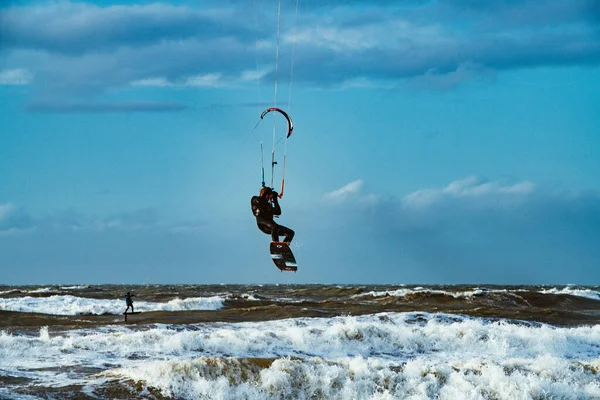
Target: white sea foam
(421,290)
(360,378)
(42,290)
(249,296)
(573,291)
(75,287)
(411,355)
(73,305)
(587,293)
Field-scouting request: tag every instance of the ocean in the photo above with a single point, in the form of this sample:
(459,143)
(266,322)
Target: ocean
(300,342)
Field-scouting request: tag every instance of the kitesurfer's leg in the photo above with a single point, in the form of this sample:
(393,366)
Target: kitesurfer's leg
(275,232)
(279,230)
(289,234)
(270,228)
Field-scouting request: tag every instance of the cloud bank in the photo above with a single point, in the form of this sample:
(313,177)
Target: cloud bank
(434,44)
(119,107)
(471,230)
(17,221)
(15,77)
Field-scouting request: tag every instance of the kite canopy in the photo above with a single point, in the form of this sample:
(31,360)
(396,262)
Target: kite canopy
(273,162)
(289,120)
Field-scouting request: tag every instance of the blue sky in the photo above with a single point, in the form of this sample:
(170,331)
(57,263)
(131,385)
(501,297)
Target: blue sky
(435,141)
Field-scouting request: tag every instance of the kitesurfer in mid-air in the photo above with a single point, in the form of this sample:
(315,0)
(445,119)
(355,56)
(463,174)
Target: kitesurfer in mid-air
(265,207)
(128,301)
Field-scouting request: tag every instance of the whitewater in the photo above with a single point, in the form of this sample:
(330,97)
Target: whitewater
(379,355)
(73,305)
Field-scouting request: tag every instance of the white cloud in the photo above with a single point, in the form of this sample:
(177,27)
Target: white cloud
(106,107)
(382,33)
(207,80)
(334,39)
(345,191)
(15,77)
(432,44)
(492,193)
(157,82)
(421,198)
(203,80)
(366,83)
(470,230)
(5,211)
(433,79)
(474,186)
(252,75)
(14,220)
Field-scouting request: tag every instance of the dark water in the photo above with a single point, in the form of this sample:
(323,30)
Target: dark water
(556,305)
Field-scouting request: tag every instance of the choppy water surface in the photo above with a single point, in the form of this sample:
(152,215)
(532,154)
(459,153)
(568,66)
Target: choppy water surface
(300,341)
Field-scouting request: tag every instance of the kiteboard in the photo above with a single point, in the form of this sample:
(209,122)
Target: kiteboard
(130,313)
(283,257)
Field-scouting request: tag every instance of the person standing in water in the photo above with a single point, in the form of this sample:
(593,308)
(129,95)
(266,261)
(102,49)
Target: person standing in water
(128,301)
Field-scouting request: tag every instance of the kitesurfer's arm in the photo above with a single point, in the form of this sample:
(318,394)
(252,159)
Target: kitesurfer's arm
(255,204)
(276,207)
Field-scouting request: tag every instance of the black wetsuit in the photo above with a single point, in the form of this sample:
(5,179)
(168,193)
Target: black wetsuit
(264,213)
(129,301)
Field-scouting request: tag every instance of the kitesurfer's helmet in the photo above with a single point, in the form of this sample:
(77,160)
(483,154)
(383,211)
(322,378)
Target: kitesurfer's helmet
(265,191)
